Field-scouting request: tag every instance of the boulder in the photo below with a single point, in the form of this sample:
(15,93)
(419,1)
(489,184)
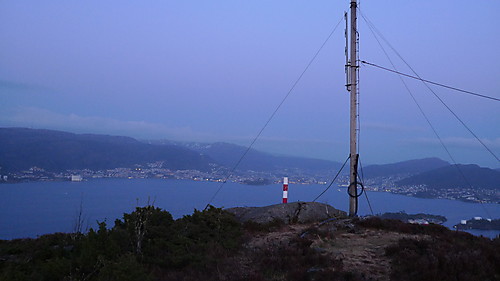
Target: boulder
(295,212)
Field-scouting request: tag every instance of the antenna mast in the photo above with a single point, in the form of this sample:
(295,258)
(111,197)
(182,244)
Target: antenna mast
(352,86)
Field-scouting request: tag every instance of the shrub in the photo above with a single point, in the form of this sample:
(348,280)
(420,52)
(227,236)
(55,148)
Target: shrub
(201,234)
(402,227)
(447,257)
(148,244)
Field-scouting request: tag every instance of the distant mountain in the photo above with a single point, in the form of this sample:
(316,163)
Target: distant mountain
(22,148)
(411,167)
(451,177)
(228,155)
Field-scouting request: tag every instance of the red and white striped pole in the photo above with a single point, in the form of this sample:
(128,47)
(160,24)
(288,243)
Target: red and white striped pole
(285,190)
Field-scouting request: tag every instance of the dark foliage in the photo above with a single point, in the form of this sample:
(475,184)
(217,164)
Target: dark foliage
(146,243)
(253,227)
(199,236)
(402,227)
(442,255)
(296,260)
(461,257)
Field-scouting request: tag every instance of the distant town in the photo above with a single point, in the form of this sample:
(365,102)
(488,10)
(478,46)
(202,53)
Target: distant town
(218,174)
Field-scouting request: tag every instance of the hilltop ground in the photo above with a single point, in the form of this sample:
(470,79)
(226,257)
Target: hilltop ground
(292,244)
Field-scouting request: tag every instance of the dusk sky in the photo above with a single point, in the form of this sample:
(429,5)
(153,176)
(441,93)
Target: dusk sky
(215,71)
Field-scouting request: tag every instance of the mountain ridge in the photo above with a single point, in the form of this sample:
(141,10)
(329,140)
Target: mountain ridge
(453,176)
(228,154)
(414,166)
(22,148)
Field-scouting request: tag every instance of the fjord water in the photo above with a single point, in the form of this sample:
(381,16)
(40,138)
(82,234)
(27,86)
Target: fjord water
(36,208)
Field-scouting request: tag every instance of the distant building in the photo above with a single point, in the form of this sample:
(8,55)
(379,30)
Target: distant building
(418,221)
(76,178)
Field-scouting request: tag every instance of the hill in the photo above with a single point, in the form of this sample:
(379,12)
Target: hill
(451,177)
(148,244)
(228,155)
(22,148)
(405,168)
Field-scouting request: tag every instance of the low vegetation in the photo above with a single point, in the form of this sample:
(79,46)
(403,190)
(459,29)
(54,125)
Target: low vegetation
(145,245)
(148,244)
(441,254)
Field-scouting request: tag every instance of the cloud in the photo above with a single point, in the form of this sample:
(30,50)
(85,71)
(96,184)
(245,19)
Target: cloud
(275,139)
(457,142)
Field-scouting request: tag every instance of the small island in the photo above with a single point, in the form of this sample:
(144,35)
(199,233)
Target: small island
(478,223)
(415,218)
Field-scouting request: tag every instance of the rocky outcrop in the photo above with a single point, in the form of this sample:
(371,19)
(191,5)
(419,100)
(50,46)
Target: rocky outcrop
(296,212)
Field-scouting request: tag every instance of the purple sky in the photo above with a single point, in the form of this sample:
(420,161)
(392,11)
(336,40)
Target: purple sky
(216,70)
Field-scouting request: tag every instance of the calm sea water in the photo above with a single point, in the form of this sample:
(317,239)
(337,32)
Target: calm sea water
(36,208)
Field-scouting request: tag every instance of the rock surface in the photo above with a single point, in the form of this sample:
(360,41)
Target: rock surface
(296,212)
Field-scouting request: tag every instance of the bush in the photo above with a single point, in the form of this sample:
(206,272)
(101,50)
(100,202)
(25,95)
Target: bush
(124,268)
(454,256)
(144,241)
(271,226)
(201,234)
(402,227)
